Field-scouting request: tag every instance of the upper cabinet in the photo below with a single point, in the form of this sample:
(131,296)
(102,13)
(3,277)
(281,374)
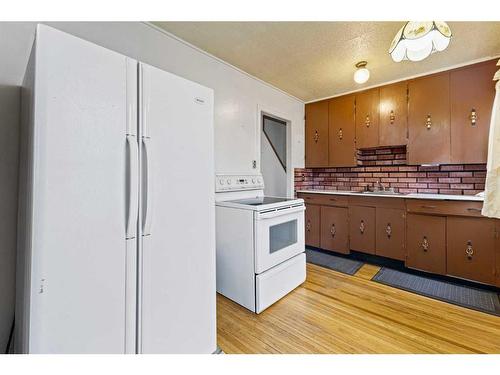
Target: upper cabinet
(393,125)
(342,132)
(367,118)
(472,92)
(316,134)
(429,119)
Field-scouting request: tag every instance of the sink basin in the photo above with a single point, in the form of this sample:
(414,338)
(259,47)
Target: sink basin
(382,192)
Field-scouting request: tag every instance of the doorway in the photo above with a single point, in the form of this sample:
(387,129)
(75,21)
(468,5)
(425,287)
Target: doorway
(274,155)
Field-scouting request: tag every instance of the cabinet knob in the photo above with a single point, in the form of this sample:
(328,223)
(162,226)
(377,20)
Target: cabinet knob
(333,230)
(367,121)
(392,117)
(425,244)
(388,230)
(341,134)
(428,122)
(316,136)
(362,227)
(473,117)
(308,226)
(469,251)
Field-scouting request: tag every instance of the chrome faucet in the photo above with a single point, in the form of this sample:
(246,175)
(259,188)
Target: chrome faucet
(379,186)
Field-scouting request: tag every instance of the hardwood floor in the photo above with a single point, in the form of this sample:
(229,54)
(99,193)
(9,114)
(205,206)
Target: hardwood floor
(336,313)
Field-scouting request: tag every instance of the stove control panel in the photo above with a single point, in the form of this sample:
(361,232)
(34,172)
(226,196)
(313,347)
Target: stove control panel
(238,182)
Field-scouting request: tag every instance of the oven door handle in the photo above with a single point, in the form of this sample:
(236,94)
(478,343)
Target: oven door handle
(278,212)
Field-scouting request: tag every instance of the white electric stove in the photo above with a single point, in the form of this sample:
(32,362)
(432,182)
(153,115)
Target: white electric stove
(259,240)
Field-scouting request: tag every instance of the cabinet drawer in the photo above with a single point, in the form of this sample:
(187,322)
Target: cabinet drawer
(312,225)
(471,249)
(335,229)
(454,208)
(426,243)
(324,199)
(362,229)
(390,233)
(370,201)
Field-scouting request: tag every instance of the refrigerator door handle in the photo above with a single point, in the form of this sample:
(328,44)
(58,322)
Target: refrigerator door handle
(147,187)
(133,188)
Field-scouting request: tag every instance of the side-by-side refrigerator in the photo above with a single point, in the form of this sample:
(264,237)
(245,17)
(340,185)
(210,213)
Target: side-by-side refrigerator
(116,231)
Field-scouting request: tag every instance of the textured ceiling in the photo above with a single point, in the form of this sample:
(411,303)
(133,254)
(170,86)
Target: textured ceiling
(313,60)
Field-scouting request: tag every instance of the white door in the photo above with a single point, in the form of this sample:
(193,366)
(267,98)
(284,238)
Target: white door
(81,260)
(177,279)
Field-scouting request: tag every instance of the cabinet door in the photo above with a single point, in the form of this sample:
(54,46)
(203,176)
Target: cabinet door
(312,223)
(497,251)
(390,233)
(335,229)
(426,243)
(471,248)
(342,132)
(472,92)
(317,134)
(362,229)
(429,119)
(393,123)
(367,119)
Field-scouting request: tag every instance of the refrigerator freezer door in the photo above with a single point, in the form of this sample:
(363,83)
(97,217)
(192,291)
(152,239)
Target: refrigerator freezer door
(177,279)
(79,297)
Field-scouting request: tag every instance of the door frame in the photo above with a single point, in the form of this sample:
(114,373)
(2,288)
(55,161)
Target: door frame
(263,110)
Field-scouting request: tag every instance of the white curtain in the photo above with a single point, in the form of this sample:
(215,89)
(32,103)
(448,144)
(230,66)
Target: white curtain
(491,206)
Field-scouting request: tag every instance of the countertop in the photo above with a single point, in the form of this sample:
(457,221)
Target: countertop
(441,197)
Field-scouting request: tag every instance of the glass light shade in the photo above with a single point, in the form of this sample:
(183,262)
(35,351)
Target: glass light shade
(417,40)
(361,75)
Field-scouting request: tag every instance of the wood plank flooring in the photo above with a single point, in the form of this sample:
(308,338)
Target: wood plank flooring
(336,313)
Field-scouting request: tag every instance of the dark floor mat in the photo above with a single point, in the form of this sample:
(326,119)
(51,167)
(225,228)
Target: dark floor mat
(333,262)
(465,296)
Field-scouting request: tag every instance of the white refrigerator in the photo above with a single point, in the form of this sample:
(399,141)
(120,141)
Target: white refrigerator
(116,231)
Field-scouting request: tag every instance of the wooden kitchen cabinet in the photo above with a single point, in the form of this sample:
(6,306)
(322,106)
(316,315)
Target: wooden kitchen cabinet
(393,124)
(342,148)
(390,233)
(316,133)
(426,243)
(312,223)
(471,248)
(367,118)
(362,229)
(472,91)
(497,251)
(335,229)
(429,119)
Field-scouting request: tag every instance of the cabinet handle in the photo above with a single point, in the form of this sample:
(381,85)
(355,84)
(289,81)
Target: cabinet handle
(362,227)
(392,117)
(333,230)
(388,230)
(428,122)
(341,133)
(469,251)
(316,136)
(367,121)
(425,244)
(473,117)
(424,206)
(473,209)
(333,199)
(308,226)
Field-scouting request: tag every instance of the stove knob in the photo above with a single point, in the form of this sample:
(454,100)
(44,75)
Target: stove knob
(258,180)
(221,181)
(228,181)
(253,180)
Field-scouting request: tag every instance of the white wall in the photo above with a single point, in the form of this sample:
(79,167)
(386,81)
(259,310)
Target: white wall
(9,141)
(237,95)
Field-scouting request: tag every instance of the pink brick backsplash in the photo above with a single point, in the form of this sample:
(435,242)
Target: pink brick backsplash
(388,165)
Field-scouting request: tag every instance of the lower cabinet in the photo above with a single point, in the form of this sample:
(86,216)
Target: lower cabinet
(362,229)
(426,243)
(471,248)
(390,233)
(334,229)
(312,223)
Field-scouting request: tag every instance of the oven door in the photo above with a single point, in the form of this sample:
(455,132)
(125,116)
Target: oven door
(279,235)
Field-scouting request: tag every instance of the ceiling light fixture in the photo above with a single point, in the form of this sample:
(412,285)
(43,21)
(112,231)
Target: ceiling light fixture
(418,39)
(361,74)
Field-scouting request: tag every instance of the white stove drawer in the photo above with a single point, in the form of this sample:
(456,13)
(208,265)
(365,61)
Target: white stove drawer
(280,280)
